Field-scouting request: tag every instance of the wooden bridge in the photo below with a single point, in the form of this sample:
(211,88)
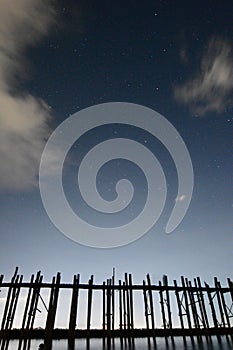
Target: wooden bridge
(196,309)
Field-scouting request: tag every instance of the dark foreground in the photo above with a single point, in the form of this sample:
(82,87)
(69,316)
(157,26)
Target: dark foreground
(99,333)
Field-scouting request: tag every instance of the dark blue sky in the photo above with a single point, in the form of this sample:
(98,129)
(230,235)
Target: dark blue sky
(173,57)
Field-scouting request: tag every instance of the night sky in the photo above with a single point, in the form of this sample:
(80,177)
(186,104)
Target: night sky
(175,57)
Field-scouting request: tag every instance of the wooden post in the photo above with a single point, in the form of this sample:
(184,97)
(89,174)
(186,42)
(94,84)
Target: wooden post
(230,284)
(203,308)
(89,305)
(14,302)
(212,306)
(131,301)
(113,299)
(73,311)
(186,303)
(192,303)
(120,306)
(52,312)
(199,301)
(221,301)
(124,305)
(162,305)
(104,310)
(108,306)
(8,299)
(151,302)
(165,283)
(32,308)
(127,301)
(145,304)
(179,305)
(37,294)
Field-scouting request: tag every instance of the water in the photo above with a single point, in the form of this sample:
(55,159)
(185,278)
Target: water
(223,343)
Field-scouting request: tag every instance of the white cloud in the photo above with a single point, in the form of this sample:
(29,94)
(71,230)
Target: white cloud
(212,88)
(24,119)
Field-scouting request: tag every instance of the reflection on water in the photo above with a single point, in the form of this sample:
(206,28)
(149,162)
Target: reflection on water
(178,343)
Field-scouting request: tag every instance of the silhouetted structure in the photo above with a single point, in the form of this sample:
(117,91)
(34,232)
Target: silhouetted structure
(201,309)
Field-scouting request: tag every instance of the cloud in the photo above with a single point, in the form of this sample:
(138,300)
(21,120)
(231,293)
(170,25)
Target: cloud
(211,89)
(24,119)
